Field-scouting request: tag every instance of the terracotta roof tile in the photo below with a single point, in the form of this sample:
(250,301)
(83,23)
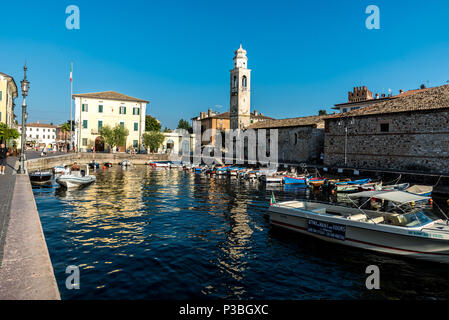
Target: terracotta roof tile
(290,122)
(412,100)
(109,95)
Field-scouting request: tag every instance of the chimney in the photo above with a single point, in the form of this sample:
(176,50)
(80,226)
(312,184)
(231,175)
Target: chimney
(202,115)
(383,95)
(209,113)
(377,96)
(401,91)
(256,113)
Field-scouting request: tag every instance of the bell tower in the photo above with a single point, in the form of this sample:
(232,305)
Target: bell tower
(240,91)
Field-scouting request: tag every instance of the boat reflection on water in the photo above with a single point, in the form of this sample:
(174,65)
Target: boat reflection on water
(147,233)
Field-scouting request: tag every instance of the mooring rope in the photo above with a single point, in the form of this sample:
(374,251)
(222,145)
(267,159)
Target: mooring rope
(437,181)
(395,181)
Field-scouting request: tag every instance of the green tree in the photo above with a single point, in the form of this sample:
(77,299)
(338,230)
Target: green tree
(114,136)
(184,124)
(152,140)
(151,124)
(322,112)
(167,130)
(120,133)
(107,136)
(7,134)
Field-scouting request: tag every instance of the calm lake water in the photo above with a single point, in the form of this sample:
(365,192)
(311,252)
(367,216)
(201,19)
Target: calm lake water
(146,233)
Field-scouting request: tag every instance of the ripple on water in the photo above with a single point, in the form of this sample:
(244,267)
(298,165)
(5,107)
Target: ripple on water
(168,234)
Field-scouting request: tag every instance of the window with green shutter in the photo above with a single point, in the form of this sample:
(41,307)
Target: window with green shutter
(124,110)
(1,95)
(100,124)
(84,124)
(100,108)
(135,143)
(84,107)
(84,142)
(136,126)
(122,124)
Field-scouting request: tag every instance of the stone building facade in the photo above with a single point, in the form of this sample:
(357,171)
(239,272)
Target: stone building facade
(96,110)
(300,140)
(409,132)
(8,92)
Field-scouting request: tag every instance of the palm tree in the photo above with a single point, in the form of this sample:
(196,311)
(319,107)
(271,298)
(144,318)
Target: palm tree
(64,129)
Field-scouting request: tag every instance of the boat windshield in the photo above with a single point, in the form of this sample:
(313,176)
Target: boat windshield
(416,219)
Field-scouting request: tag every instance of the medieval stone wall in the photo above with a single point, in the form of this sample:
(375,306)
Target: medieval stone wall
(300,144)
(416,141)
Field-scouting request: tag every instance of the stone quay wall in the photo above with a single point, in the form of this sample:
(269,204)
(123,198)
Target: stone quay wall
(302,144)
(416,141)
(86,157)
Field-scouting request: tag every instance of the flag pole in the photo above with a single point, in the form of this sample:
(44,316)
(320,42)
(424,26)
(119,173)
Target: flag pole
(71,108)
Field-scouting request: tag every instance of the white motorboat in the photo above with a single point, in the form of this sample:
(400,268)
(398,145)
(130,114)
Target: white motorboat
(59,169)
(175,164)
(75,179)
(125,163)
(400,228)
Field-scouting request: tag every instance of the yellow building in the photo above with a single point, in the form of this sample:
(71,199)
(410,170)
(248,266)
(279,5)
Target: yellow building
(8,92)
(110,108)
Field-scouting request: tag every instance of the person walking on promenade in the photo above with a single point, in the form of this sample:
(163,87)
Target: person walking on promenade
(3,155)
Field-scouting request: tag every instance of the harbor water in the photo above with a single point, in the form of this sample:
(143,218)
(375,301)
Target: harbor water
(145,233)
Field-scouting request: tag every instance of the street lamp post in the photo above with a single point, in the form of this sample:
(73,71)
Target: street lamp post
(345,122)
(25,85)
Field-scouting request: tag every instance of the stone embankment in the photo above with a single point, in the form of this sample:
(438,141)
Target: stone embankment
(84,158)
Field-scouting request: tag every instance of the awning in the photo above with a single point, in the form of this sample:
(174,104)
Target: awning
(396,196)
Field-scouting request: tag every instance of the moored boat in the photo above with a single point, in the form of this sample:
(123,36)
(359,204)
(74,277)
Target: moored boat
(125,163)
(59,169)
(296,180)
(75,179)
(94,165)
(421,190)
(400,186)
(40,177)
(400,228)
(350,186)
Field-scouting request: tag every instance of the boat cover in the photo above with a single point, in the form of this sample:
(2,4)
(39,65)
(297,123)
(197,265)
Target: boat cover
(396,196)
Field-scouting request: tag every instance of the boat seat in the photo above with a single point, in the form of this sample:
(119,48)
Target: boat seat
(377,220)
(357,217)
(395,219)
(319,210)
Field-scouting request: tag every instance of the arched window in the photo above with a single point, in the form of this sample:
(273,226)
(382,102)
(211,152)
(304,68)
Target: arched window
(234,84)
(296,138)
(244,82)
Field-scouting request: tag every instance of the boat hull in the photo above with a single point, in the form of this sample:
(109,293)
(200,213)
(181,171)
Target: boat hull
(357,235)
(292,180)
(74,182)
(40,180)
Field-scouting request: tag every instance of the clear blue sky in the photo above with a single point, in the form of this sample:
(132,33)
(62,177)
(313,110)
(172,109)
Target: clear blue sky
(305,55)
